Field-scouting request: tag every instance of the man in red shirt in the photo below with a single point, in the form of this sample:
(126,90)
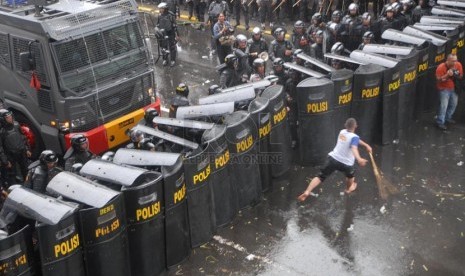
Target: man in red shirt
(447,74)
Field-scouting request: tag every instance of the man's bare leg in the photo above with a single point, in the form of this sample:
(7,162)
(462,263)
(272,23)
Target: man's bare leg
(351,185)
(312,185)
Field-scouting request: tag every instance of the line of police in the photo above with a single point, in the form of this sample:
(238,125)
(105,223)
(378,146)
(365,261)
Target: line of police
(197,175)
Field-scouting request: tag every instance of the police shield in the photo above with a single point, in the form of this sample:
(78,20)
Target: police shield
(315,105)
(56,225)
(143,199)
(197,169)
(199,111)
(423,47)
(260,114)
(241,134)
(242,93)
(366,104)
(102,223)
(408,70)
(177,237)
(16,256)
(436,55)
(280,138)
(223,192)
(342,80)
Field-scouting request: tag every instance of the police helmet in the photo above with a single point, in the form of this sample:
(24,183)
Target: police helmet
(214,89)
(336,14)
(76,168)
(353,7)
(241,38)
(183,90)
(333,26)
(136,135)
(368,35)
(389,8)
(258,62)
(230,59)
(150,114)
(299,24)
(279,31)
(48,156)
(146,144)
(108,156)
(319,33)
(297,51)
(337,48)
(3,114)
(78,140)
(162,5)
(278,62)
(317,17)
(256,30)
(366,16)
(396,6)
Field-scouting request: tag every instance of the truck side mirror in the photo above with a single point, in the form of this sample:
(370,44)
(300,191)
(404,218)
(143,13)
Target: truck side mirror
(27,61)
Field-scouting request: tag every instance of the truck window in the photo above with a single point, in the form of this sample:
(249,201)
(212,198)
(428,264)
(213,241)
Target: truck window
(98,58)
(20,45)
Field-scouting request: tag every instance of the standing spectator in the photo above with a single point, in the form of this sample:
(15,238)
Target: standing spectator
(14,148)
(448,74)
(222,35)
(342,158)
(216,7)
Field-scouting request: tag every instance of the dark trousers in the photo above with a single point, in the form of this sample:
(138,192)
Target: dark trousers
(222,51)
(238,7)
(266,11)
(18,162)
(169,50)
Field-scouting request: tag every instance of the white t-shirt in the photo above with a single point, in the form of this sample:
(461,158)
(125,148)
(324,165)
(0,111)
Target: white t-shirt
(342,152)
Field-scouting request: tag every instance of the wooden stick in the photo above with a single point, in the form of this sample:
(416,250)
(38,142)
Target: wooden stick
(280,4)
(296,3)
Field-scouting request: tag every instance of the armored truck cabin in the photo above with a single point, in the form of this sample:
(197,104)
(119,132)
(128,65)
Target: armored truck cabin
(74,67)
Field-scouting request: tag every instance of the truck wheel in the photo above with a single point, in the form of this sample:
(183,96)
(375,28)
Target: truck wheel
(32,135)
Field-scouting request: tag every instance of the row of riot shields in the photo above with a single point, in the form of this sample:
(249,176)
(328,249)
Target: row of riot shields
(392,86)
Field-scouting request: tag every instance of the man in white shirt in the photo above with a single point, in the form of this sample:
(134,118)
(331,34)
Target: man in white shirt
(342,158)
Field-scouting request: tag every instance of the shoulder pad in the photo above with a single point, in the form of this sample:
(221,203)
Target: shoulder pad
(33,165)
(250,41)
(68,153)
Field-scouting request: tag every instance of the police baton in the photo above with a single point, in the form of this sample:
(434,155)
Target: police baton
(280,4)
(296,3)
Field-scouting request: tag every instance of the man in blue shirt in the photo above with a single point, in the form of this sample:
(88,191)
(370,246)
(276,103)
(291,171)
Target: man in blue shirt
(342,158)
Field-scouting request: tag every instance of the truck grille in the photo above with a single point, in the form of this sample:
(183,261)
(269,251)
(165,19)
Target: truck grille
(121,100)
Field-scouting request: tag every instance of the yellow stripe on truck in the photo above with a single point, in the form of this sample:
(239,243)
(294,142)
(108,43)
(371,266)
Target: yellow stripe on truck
(116,130)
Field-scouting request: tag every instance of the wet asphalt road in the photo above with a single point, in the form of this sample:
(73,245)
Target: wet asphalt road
(422,231)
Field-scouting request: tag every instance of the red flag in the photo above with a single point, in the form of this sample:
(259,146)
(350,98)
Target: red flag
(35,83)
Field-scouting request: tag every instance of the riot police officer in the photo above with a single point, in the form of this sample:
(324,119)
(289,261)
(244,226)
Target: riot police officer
(150,114)
(257,45)
(14,147)
(367,38)
(214,89)
(407,10)
(316,25)
(79,151)
(279,71)
(299,38)
(266,12)
(138,141)
(167,25)
(228,74)
(422,9)
(258,70)
(241,51)
(180,99)
(317,47)
(280,47)
(242,5)
(42,171)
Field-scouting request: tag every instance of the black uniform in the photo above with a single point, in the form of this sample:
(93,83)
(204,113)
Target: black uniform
(73,156)
(301,41)
(256,46)
(420,11)
(167,22)
(229,77)
(13,149)
(241,5)
(278,49)
(39,176)
(243,69)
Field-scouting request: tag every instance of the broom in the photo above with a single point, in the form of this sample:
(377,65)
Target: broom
(385,187)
